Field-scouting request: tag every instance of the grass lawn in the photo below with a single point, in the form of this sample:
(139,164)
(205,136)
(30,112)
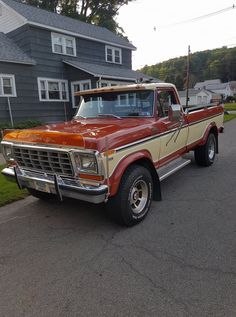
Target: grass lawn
(230,106)
(228,117)
(9,191)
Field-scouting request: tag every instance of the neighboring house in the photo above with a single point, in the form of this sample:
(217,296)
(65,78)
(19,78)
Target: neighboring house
(202,85)
(215,85)
(46,57)
(199,97)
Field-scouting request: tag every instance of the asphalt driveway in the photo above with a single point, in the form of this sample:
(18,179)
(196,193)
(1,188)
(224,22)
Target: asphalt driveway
(70,260)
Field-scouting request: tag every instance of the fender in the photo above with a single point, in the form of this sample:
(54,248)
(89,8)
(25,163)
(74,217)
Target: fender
(116,176)
(211,126)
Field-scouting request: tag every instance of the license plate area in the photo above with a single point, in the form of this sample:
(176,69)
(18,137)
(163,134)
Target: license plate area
(41,186)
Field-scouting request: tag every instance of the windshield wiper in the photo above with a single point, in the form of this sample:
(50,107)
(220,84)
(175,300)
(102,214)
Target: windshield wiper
(108,115)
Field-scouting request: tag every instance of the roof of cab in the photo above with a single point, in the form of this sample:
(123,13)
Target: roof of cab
(132,87)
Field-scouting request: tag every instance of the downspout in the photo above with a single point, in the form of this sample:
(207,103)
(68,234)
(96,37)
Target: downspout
(99,82)
(65,111)
(10,112)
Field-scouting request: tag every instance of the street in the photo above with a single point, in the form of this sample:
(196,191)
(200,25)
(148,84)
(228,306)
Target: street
(69,259)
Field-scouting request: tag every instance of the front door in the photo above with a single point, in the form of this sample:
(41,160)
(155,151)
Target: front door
(173,135)
(78,86)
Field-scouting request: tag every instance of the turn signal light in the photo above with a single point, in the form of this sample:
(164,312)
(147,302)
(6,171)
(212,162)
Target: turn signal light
(97,178)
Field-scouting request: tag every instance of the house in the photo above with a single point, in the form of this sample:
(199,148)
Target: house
(215,85)
(46,57)
(199,97)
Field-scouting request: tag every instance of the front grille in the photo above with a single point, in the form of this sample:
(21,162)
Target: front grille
(44,160)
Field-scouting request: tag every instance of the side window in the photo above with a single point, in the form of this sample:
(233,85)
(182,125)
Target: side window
(165,98)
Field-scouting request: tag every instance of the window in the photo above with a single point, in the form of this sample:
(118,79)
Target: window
(109,83)
(7,85)
(53,89)
(199,100)
(78,86)
(165,99)
(117,104)
(113,55)
(63,44)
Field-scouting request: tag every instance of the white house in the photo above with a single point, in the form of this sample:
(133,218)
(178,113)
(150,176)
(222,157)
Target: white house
(215,85)
(199,97)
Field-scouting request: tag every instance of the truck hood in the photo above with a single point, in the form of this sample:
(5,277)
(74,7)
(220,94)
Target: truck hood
(96,134)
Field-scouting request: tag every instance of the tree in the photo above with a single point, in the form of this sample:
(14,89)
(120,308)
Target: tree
(210,64)
(98,12)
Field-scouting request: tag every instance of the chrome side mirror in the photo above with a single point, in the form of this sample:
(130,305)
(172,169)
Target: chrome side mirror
(175,113)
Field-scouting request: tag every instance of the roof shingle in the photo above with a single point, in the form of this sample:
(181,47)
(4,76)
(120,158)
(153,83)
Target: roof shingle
(108,71)
(54,20)
(11,53)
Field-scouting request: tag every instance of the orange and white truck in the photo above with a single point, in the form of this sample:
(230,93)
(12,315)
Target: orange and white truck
(122,142)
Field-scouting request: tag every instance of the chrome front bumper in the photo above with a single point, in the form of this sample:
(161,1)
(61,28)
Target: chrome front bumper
(60,186)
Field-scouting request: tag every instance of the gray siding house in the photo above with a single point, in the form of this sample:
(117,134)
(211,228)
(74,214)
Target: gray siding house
(46,57)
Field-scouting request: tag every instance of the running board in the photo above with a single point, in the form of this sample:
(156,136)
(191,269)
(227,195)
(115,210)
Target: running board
(172,167)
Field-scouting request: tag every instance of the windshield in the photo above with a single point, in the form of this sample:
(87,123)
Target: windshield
(117,104)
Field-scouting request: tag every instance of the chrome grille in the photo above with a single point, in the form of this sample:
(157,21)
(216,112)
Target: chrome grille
(44,160)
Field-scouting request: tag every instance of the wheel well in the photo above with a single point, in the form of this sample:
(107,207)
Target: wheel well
(155,178)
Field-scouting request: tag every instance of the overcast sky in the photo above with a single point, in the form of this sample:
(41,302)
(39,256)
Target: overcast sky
(140,17)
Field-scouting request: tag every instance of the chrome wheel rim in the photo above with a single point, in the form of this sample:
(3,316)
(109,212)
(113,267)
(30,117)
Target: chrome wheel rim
(139,196)
(211,149)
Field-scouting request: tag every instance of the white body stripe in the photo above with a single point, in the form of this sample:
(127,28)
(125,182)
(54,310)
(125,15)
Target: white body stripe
(164,144)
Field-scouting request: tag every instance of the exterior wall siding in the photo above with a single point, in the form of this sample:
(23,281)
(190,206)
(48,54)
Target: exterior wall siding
(36,42)
(22,38)
(26,106)
(9,20)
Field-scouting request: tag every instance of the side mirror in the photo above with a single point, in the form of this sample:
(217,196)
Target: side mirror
(175,113)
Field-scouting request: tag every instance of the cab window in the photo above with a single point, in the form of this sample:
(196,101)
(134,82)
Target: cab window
(165,99)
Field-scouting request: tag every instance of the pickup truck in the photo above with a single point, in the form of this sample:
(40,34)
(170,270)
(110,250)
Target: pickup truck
(122,142)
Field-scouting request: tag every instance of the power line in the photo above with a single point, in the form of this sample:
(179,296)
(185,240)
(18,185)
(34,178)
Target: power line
(196,19)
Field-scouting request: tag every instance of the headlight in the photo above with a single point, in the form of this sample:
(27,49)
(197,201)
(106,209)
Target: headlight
(7,151)
(86,162)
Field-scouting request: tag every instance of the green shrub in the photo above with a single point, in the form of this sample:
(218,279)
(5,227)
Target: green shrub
(21,125)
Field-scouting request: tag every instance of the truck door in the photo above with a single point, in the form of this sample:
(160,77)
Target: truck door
(173,134)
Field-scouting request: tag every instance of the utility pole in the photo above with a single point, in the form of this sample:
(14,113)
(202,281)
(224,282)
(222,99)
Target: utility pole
(187,77)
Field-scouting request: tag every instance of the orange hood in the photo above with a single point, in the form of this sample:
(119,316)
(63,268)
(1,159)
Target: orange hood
(89,133)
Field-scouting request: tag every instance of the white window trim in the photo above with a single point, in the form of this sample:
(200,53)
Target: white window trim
(78,82)
(111,83)
(54,80)
(12,77)
(63,44)
(113,48)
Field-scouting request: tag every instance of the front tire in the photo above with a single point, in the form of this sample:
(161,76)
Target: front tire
(133,200)
(205,155)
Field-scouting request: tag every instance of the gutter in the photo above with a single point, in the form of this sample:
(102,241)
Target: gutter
(18,62)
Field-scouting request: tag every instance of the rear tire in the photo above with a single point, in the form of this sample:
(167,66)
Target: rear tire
(133,200)
(205,155)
